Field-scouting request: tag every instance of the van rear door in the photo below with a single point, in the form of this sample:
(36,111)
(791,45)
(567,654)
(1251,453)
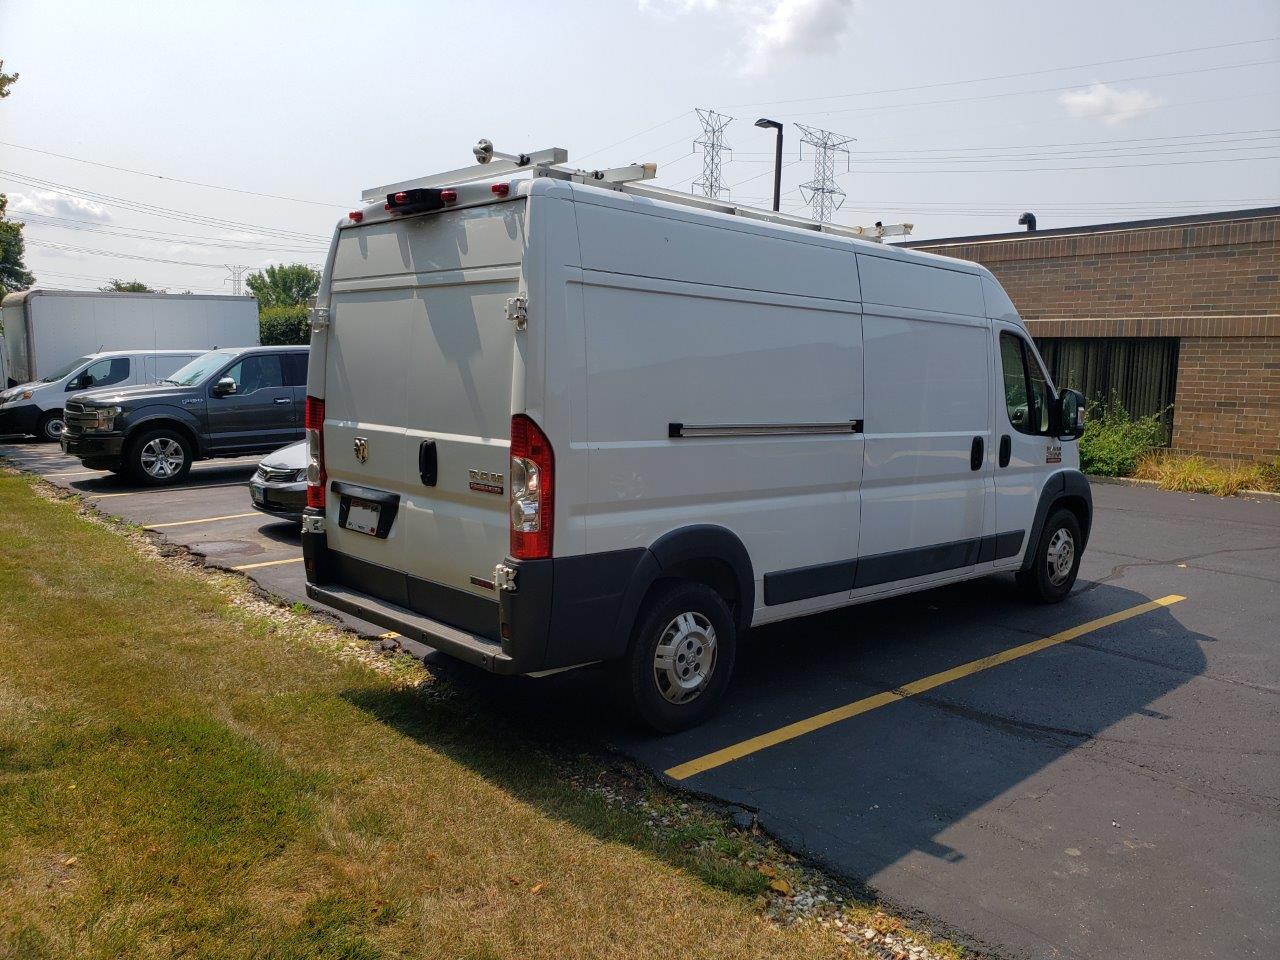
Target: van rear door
(418,375)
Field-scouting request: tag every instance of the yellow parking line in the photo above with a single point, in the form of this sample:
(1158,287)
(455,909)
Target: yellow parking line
(183,523)
(389,635)
(798,729)
(266,563)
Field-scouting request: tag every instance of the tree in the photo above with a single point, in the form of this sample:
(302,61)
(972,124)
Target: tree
(6,80)
(284,325)
(14,274)
(128,286)
(287,285)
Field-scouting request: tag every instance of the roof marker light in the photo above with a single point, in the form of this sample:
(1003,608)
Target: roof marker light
(448,196)
(355,216)
(401,198)
(501,189)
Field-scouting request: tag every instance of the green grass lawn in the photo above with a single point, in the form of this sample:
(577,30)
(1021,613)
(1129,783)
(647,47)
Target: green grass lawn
(185,772)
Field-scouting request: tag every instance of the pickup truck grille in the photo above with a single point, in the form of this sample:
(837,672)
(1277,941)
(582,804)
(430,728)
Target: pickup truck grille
(75,418)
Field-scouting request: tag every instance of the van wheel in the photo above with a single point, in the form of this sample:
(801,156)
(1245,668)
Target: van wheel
(681,657)
(1056,561)
(50,427)
(159,457)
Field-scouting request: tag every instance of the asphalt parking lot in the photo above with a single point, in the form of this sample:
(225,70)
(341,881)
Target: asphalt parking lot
(1095,779)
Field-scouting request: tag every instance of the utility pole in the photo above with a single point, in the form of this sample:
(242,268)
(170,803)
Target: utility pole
(767,124)
(237,272)
(822,192)
(712,144)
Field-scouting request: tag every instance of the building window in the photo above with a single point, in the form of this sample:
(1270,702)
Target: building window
(1138,373)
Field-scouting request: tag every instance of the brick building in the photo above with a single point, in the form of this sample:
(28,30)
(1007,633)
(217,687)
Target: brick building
(1182,311)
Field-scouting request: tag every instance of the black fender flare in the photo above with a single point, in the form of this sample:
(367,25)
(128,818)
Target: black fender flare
(1063,485)
(160,415)
(702,541)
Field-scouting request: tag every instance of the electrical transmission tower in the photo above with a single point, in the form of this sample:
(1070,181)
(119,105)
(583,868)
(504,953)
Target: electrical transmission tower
(712,144)
(236,273)
(822,192)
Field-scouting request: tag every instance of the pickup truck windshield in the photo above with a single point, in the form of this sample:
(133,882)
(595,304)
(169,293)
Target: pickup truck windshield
(65,371)
(199,368)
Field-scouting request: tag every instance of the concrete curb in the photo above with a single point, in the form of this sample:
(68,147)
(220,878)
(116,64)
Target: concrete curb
(1135,482)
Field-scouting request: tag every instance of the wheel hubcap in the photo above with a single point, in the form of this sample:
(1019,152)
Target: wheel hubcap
(1060,556)
(685,658)
(53,429)
(162,458)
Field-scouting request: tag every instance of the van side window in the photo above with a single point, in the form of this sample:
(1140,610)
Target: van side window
(257,371)
(106,372)
(1026,390)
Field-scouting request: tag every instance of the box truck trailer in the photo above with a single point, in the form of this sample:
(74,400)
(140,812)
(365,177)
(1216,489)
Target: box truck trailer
(557,417)
(44,330)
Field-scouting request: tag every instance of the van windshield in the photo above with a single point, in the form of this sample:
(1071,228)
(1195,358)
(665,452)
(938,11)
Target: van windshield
(65,371)
(199,368)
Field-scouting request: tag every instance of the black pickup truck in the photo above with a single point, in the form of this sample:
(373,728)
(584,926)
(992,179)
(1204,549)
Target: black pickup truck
(224,403)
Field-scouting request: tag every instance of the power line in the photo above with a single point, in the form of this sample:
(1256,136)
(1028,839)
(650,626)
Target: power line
(1010,76)
(68,248)
(159,236)
(1096,166)
(618,143)
(713,145)
(157,176)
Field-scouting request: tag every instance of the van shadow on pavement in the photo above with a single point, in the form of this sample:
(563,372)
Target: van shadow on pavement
(864,793)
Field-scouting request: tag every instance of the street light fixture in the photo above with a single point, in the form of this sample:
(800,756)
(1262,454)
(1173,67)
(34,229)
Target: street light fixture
(777,161)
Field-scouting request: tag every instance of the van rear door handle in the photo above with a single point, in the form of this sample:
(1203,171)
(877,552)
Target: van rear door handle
(427,462)
(1006,450)
(975,454)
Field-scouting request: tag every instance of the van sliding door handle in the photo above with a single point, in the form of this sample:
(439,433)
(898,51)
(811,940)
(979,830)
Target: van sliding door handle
(1006,450)
(975,454)
(427,462)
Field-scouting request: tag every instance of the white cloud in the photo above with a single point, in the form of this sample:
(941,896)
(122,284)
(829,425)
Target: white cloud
(50,204)
(1111,106)
(770,30)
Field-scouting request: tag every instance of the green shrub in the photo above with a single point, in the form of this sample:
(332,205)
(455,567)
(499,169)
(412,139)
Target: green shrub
(282,326)
(1113,442)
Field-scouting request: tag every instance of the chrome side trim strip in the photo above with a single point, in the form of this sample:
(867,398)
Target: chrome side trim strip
(690,430)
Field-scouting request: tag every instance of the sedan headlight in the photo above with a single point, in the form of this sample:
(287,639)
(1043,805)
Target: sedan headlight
(301,476)
(105,417)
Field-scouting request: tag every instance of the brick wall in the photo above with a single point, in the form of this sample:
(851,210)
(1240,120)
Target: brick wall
(1224,268)
(1228,397)
(1215,285)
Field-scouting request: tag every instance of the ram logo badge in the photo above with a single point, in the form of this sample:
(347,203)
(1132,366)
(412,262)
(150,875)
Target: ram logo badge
(485,481)
(361,448)
(1053,453)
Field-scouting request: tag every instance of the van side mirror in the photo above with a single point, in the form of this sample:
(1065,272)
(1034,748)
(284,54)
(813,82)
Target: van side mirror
(1070,415)
(224,387)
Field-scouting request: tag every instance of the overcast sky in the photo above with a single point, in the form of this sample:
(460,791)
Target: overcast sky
(964,114)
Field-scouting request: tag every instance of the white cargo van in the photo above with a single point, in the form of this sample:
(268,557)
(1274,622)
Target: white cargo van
(36,408)
(47,329)
(565,417)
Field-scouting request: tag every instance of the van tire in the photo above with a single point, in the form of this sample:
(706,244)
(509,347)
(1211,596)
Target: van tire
(687,615)
(1056,561)
(49,429)
(163,442)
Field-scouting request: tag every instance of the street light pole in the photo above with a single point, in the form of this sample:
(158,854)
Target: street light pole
(777,161)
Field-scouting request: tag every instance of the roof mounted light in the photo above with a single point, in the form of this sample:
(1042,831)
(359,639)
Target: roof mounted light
(500,189)
(355,216)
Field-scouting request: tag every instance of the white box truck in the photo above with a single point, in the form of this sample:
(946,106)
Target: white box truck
(44,330)
(560,417)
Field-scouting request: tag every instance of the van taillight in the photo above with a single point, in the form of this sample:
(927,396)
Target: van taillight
(317,478)
(532,481)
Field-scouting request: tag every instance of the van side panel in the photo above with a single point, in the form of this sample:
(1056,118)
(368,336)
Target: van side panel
(663,351)
(927,397)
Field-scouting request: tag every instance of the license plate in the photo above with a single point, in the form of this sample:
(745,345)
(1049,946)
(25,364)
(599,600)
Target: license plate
(255,492)
(362,517)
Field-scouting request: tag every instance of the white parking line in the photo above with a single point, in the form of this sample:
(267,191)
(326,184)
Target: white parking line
(183,523)
(266,563)
(130,493)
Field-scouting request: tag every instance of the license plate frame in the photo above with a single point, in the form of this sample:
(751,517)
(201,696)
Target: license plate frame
(361,516)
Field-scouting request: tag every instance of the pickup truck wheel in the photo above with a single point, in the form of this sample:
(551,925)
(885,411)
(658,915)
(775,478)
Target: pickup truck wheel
(681,657)
(1056,561)
(159,457)
(49,429)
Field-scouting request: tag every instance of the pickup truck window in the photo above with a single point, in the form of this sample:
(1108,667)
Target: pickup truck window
(295,369)
(258,371)
(199,368)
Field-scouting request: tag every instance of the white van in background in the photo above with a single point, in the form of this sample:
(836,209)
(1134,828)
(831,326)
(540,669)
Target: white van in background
(47,329)
(566,417)
(36,408)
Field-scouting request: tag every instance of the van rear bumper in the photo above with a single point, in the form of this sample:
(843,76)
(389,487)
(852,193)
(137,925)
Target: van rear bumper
(563,612)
